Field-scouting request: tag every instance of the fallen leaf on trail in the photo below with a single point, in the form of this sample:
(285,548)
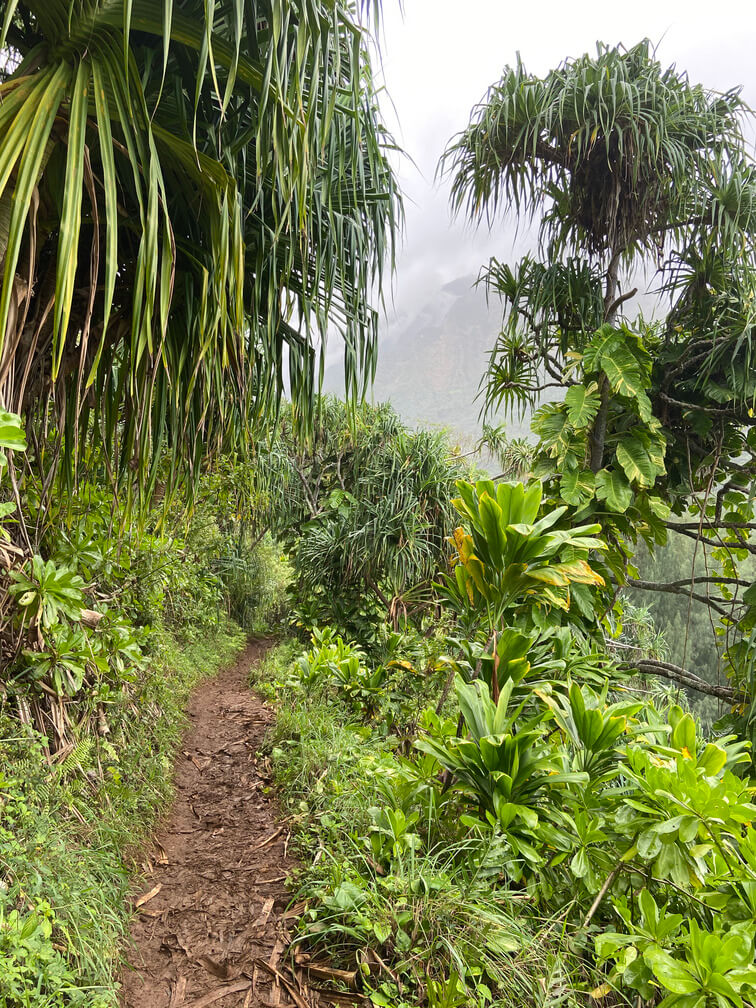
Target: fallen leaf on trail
(146,897)
(295,911)
(162,854)
(270,839)
(262,920)
(223,970)
(275,955)
(336,997)
(290,988)
(200,766)
(221,992)
(323,972)
(178,992)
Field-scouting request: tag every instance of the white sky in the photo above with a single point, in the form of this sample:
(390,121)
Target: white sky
(440,56)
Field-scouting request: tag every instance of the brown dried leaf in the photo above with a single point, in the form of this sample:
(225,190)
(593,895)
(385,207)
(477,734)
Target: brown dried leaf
(162,854)
(222,970)
(280,978)
(294,911)
(221,992)
(323,972)
(178,993)
(262,920)
(146,897)
(270,839)
(337,997)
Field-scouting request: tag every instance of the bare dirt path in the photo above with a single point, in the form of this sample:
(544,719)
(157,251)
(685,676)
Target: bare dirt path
(211,927)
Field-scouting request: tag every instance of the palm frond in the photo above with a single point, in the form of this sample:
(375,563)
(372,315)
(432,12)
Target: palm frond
(197,195)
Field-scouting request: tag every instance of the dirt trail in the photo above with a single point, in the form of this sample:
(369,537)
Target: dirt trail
(212,912)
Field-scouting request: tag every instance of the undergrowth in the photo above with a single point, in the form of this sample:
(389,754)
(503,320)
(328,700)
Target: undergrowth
(395,890)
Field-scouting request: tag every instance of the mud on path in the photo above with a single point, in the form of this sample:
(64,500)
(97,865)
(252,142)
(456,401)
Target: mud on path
(211,925)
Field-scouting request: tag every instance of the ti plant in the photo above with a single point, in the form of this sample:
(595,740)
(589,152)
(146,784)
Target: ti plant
(507,767)
(512,565)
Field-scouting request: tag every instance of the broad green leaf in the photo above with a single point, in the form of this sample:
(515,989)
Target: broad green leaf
(674,975)
(604,341)
(531,502)
(623,372)
(636,462)
(582,404)
(493,526)
(612,487)
(577,487)
(12,434)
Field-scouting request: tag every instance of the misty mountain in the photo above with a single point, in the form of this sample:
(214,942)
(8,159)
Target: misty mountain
(431,360)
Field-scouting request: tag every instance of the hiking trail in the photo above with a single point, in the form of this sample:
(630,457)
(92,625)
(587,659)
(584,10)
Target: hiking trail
(211,920)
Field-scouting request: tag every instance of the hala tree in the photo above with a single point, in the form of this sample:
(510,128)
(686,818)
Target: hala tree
(634,172)
(363,509)
(191,195)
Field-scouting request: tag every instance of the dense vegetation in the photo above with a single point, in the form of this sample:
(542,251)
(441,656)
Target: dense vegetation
(362,509)
(493,796)
(104,632)
(631,168)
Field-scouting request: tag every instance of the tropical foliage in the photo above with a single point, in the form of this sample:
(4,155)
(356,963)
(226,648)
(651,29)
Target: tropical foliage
(363,509)
(504,805)
(192,196)
(546,781)
(631,168)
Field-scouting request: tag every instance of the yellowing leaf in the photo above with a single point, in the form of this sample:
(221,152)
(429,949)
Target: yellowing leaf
(600,992)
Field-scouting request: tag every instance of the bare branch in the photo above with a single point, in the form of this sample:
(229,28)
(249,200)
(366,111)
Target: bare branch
(678,674)
(649,666)
(671,588)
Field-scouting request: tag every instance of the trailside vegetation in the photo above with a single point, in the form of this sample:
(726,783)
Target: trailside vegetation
(192,197)
(363,509)
(503,808)
(544,832)
(638,176)
(104,630)
(490,801)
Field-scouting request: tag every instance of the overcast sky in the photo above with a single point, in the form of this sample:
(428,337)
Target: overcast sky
(440,56)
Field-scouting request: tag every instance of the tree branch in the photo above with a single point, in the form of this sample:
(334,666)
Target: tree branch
(712,410)
(670,588)
(678,674)
(704,579)
(682,530)
(649,666)
(621,300)
(709,524)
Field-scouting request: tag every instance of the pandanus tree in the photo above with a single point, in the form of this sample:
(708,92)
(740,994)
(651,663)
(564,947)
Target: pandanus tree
(637,176)
(192,196)
(363,508)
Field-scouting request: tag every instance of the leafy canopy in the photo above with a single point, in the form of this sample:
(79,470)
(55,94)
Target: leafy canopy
(192,196)
(633,171)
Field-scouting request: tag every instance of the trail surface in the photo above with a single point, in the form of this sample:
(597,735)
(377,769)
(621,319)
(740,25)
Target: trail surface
(210,927)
